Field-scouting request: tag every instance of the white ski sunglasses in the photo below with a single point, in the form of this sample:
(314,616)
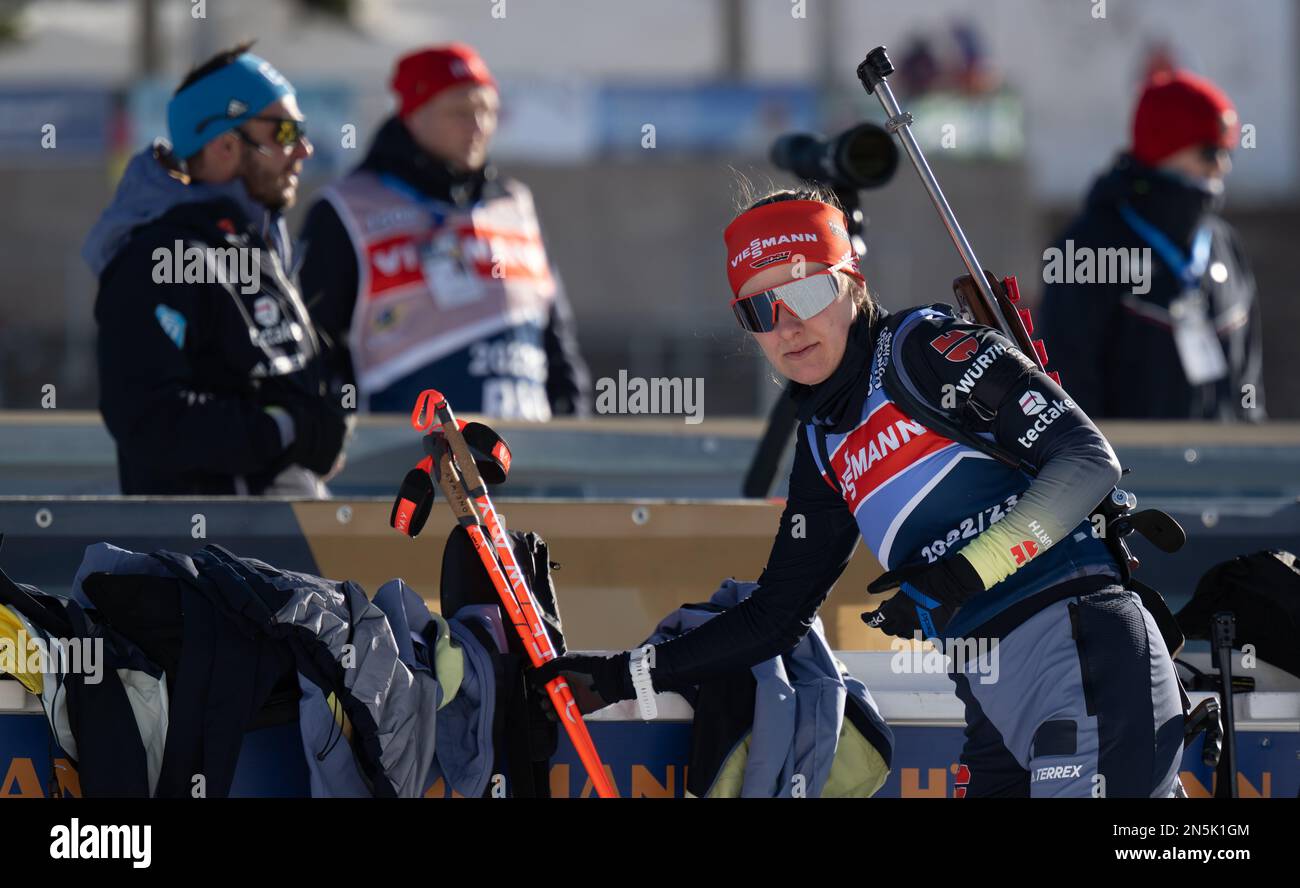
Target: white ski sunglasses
(803,297)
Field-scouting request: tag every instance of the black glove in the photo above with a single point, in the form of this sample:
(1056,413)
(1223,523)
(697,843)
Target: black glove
(595,682)
(319,428)
(928,596)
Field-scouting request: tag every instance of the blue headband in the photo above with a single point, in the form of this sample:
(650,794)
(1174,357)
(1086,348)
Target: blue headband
(222,101)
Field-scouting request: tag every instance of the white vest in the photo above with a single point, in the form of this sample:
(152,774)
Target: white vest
(432,278)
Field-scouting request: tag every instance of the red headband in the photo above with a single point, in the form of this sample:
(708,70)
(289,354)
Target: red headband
(778,233)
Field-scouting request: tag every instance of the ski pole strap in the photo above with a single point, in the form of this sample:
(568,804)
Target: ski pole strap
(490,451)
(414,500)
(641,661)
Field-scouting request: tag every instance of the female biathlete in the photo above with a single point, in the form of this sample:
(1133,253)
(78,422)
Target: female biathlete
(1085,700)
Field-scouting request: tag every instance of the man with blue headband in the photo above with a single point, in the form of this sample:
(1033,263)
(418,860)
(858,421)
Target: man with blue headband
(211,378)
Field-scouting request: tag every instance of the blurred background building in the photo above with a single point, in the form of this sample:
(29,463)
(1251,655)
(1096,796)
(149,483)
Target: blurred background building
(632,122)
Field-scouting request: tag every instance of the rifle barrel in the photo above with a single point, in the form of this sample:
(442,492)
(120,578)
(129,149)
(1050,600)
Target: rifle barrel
(900,123)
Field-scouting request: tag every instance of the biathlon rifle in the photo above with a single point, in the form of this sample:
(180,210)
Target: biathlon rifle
(984,299)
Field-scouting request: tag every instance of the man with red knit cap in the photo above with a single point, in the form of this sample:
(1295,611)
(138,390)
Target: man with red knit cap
(1179,336)
(426,269)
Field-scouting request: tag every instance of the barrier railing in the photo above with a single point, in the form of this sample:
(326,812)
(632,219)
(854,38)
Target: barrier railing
(45,453)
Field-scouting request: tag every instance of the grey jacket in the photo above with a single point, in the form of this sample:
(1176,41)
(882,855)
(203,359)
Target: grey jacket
(445,651)
(799,704)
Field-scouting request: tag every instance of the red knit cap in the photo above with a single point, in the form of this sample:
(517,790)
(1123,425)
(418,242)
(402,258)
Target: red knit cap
(423,74)
(1178,110)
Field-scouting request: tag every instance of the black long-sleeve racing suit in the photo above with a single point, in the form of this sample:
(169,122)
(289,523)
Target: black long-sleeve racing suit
(913,494)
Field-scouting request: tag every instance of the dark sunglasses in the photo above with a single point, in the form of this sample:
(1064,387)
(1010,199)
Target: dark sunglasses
(1214,153)
(288,132)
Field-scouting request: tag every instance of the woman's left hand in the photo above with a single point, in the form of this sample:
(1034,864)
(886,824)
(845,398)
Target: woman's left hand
(928,596)
(595,681)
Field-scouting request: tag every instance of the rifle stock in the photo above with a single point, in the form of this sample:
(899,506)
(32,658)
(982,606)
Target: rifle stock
(1002,314)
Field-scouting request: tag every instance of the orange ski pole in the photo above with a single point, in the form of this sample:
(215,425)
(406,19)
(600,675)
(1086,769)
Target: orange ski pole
(461,483)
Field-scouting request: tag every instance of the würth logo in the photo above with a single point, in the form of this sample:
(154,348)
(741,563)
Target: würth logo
(1024,551)
(961,781)
(955,345)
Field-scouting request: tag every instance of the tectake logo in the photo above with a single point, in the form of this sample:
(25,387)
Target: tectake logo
(1032,403)
(1044,415)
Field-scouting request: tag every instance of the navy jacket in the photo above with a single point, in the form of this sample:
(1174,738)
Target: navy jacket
(1114,348)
